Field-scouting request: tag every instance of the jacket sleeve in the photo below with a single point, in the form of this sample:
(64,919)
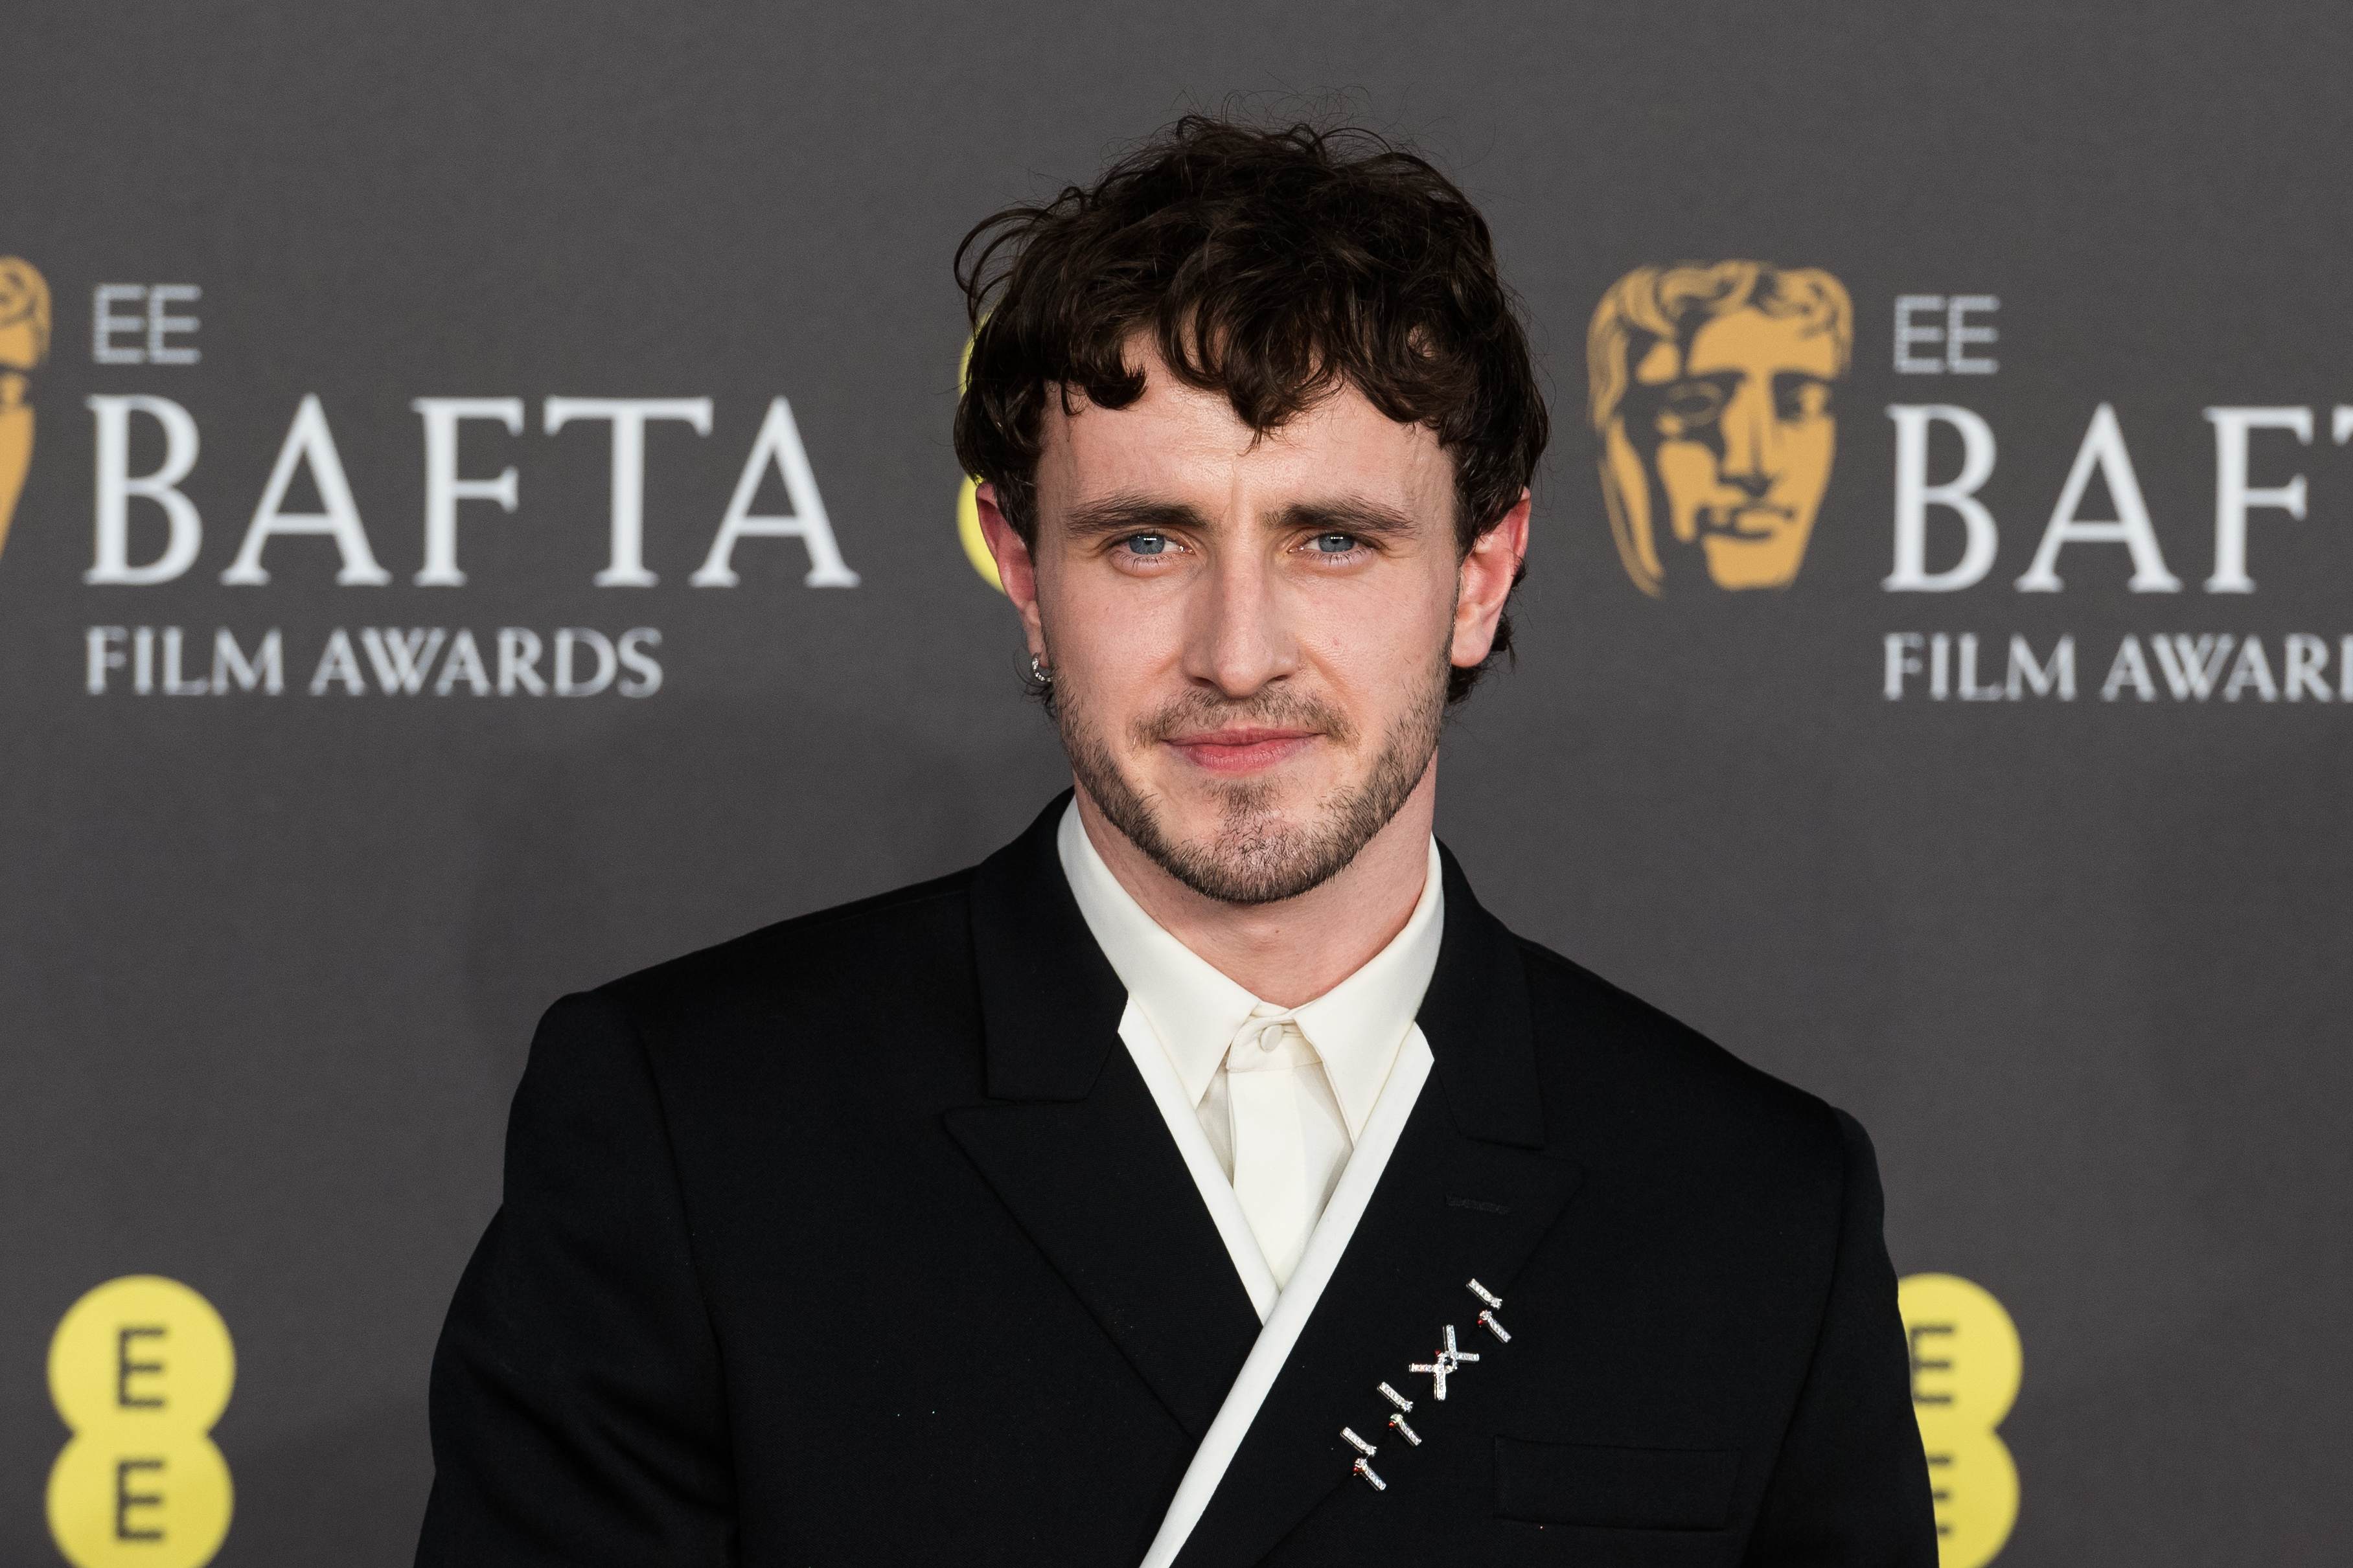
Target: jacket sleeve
(578,1412)
(1850,1488)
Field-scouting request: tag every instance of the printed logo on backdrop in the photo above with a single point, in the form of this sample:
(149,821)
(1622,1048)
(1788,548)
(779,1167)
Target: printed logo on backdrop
(967,503)
(1711,399)
(1709,390)
(140,1370)
(147,532)
(23,346)
(1966,1363)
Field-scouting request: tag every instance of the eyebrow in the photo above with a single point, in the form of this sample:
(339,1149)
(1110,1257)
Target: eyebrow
(1139,514)
(1363,517)
(1129,514)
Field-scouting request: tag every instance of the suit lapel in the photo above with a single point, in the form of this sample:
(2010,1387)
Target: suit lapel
(1467,1193)
(1099,1186)
(1073,1144)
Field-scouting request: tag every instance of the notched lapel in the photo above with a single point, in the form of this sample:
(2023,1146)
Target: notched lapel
(1099,1186)
(1073,1145)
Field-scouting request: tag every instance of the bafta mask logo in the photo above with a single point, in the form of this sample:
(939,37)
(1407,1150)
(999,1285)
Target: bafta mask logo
(1711,393)
(24,345)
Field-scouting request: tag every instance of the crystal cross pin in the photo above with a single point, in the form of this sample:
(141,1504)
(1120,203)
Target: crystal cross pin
(1449,1360)
(1495,1304)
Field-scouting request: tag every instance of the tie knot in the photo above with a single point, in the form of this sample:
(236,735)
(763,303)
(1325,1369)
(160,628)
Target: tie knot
(1269,1038)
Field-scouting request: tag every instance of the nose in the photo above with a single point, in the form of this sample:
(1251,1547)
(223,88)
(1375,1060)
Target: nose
(1750,438)
(1236,637)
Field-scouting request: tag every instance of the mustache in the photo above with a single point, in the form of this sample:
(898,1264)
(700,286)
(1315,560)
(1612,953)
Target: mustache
(1273,708)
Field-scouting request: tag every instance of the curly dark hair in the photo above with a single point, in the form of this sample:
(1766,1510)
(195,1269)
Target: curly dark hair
(1273,266)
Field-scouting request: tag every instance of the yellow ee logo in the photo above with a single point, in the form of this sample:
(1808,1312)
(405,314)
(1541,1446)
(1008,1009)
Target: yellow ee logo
(140,1369)
(976,543)
(1966,1364)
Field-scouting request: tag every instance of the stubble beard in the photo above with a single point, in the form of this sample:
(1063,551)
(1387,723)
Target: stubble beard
(1255,855)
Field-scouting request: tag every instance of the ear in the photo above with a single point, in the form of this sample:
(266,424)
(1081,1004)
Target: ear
(1016,569)
(1486,582)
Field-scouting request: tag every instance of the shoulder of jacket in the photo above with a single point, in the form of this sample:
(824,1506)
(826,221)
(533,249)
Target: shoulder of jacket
(1613,1041)
(839,942)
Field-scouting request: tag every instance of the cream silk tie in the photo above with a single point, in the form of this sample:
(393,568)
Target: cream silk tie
(1269,1152)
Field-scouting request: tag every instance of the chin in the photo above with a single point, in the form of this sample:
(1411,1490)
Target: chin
(1207,807)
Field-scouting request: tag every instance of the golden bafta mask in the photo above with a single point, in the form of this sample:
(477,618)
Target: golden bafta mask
(24,345)
(1711,393)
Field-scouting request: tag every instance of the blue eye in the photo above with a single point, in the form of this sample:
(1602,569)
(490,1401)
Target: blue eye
(1148,543)
(1334,543)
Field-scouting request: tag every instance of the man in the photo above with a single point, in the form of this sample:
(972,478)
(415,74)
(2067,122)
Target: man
(1204,1178)
(1711,393)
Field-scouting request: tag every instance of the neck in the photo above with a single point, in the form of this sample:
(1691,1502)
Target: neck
(1289,952)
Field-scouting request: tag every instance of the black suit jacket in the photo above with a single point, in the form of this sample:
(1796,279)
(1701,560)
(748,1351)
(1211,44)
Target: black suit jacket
(860,1240)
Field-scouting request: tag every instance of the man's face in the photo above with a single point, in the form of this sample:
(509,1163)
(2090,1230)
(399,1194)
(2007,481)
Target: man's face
(1248,634)
(1741,437)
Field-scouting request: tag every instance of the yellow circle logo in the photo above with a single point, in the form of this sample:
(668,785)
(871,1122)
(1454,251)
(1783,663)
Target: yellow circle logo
(1965,1366)
(976,543)
(140,1369)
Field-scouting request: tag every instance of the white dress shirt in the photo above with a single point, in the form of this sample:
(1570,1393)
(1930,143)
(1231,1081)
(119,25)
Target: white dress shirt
(1324,1062)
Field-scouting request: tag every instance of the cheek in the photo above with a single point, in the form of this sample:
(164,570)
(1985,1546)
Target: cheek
(1371,639)
(1106,636)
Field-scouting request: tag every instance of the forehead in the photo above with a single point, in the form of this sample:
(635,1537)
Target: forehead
(1749,340)
(1179,443)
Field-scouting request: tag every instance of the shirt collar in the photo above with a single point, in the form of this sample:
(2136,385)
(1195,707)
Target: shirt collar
(1356,1027)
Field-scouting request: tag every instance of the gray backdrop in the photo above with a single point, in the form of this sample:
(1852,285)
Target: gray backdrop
(269,964)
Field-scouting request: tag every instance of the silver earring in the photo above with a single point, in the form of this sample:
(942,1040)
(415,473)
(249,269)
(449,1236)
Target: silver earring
(1040,673)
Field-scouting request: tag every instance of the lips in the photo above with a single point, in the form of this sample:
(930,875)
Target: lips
(1242,750)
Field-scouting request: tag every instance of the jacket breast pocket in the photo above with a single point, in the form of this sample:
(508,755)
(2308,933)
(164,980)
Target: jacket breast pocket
(1615,1489)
